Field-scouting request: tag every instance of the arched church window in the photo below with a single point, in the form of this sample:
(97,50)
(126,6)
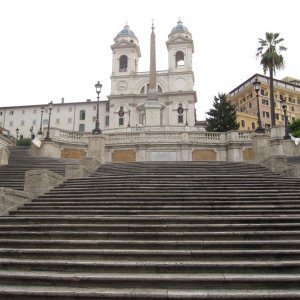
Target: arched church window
(180,113)
(142,90)
(123,63)
(179,59)
(121,116)
(159,88)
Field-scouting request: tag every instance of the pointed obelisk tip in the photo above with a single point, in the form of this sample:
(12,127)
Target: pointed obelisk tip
(152,27)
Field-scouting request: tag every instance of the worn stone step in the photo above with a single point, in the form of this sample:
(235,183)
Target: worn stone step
(145,280)
(148,244)
(230,267)
(175,227)
(154,220)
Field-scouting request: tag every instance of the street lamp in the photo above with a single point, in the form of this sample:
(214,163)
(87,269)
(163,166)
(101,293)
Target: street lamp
(42,111)
(129,111)
(98,87)
(256,85)
(31,132)
(284,107)
(186,122)
(17,132)
(48,130)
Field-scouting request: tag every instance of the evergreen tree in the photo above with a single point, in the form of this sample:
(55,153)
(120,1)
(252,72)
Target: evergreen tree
(222,117)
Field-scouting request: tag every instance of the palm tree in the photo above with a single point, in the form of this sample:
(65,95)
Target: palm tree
(272,60)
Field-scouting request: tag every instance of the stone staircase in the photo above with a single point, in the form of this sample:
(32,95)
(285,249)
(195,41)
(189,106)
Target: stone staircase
(157,230)
(21,160)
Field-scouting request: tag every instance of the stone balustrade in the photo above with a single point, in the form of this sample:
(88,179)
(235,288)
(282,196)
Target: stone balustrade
(153,135)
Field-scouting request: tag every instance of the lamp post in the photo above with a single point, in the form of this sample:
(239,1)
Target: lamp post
(129,111)
(42,112)
(256,85)
(17,132)
(48,130)
(186,122)
(31,132)
(98,87)
(284,107)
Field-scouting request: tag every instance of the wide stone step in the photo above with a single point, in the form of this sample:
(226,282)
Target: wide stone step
(229,267)
(150,244)
(38,292)
(145,280)
(148,212)
(179,227)
(161,206)
(167,235)
(150,220)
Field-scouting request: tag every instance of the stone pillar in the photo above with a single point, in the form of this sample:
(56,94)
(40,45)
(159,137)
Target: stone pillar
(260,146)
(38,182)
(4,155)
(11,199)
(96,147)
(234,147)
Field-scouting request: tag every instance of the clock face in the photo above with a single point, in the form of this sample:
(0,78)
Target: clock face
(122,85)
(180,110)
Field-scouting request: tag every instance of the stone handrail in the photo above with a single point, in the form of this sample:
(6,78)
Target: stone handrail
(69,136)
(172,134)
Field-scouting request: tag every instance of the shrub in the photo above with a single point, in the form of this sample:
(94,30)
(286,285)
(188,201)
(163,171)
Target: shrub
(24,142)
(294,128)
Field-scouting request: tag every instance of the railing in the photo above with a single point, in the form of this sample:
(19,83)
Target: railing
(68,136)
(159,135)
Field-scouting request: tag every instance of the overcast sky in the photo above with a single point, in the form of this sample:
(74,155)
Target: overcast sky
(60,48)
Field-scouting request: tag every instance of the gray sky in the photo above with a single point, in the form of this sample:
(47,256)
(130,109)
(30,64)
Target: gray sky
(60,48)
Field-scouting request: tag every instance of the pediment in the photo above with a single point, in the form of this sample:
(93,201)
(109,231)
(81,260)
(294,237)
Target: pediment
(180,39)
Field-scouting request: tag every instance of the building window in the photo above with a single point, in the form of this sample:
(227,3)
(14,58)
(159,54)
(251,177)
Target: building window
(69,120)
(180,113)
(179,56)
(243,123)
(11,123)
(57,121)
(70,108)
(277,116)
(265,101)
(34,111)
(81,127)
(250,105)
(22,123)
(1,113)
(180,118)
(11,112)
(34,122)
(94,119)
(123,63)
(107,121)
(107,107)
(58,109)
(292,108)
(45,122)
(82,115)
(121,116)
(252,125)
(282,117)
(266,114)
(267,125)
(23,112)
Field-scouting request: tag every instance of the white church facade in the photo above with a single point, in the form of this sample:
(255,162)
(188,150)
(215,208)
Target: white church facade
(128,104)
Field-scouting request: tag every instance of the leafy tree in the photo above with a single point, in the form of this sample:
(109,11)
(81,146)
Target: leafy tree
(271,59)
(222,117)
(294,128)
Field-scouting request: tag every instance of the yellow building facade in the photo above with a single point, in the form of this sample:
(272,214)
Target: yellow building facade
(245,99)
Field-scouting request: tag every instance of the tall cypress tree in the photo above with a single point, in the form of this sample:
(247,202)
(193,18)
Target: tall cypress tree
(222,117)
